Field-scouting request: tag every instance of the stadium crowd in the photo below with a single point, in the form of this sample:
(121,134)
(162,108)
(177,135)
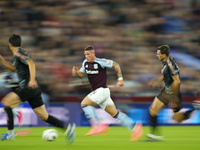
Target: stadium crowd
(55,33)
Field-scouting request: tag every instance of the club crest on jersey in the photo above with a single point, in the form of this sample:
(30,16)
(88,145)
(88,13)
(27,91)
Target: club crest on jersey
(95,66)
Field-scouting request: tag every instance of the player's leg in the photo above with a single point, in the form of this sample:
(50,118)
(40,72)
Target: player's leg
(122,117)
(43,115)
(36,102)
(92,99)
(9,100)
(176,106)
(90,113)
(181,116)
(155,107)
(135,128)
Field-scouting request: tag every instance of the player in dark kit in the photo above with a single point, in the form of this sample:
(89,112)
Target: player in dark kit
(28,90)
(169,95)
(95,68)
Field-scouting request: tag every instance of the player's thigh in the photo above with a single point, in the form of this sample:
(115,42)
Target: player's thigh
(156,106)
(11,99)
(111,109)
(99,95)
(41,112)
(87,101)
(106,103)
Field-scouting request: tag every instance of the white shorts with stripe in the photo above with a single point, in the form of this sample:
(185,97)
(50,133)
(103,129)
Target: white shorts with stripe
(101,96)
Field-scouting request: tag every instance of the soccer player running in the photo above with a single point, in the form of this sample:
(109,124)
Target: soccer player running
(169,95)
(28,90)
(95,68)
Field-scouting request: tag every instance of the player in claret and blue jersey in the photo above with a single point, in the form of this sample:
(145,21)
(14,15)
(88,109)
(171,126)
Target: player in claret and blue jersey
(95,68)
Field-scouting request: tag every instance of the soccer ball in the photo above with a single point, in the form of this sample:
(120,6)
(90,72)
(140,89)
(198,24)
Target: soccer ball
(49,135)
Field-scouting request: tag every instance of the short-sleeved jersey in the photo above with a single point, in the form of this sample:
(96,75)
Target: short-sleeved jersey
(169,69)
(20,62)
(96,72)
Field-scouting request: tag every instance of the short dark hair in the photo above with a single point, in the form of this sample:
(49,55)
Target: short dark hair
(15,40)
(89,48)
(164,49)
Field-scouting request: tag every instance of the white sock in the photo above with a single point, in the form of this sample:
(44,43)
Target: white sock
(15,113)
(125,120)
(11,131)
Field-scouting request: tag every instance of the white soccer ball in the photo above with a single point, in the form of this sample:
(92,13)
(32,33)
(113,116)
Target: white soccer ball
(49,135)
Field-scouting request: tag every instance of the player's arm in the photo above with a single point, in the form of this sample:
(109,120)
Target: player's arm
(32,82)
(78,73)
(157,82)
(7,64)
(175,86)
(119,74)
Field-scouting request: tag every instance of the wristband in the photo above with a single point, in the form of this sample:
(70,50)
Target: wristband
(120,78)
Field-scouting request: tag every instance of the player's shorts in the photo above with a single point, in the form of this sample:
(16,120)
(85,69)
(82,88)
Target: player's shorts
(33,96)
(167,97)
(101,96)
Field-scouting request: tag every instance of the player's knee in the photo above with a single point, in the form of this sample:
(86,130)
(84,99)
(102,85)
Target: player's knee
(152,112)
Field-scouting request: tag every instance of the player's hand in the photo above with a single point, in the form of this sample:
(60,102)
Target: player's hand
(120,84)
(74,70)
(32,84)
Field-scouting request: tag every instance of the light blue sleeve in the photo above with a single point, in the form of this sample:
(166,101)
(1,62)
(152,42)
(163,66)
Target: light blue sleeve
(83,67)
(105,63)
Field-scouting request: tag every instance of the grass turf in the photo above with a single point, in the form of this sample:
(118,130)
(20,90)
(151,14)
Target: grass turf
(176,138)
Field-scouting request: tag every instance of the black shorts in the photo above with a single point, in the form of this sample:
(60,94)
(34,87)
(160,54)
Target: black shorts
(166,97)
(33,96)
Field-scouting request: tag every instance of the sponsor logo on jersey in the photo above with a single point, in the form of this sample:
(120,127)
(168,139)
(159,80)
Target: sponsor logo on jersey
(95,66)
(86,66)
(92,72)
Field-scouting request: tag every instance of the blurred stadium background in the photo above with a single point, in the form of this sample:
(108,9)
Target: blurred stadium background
(55,32)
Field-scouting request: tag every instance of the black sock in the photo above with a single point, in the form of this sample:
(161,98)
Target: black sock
(10,121)
(153,123)
(187,114)
(55,122)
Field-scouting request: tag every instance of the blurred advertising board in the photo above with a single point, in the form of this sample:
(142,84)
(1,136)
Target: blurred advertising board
(72,113)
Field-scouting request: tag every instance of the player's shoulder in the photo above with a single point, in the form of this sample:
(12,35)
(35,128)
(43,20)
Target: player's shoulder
(100,60)
(21,50)
(171,60)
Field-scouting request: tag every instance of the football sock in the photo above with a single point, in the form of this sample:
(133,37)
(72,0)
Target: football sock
(153,123)
(10,121)
(125,120)
(187,114)
(91,115)
(10,131)
(55,122)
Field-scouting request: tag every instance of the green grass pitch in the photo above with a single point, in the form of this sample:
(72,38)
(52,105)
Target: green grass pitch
(118,138)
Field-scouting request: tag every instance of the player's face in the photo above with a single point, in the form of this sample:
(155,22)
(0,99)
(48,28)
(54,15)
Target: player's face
(161,57)
(90,55)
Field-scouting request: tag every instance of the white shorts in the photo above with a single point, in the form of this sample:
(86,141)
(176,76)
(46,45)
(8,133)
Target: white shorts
(101,96)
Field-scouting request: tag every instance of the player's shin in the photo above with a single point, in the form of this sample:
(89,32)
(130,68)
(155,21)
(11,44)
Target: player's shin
(125,120)
(54,121)
(9,112)
(91,115)
(153,123)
